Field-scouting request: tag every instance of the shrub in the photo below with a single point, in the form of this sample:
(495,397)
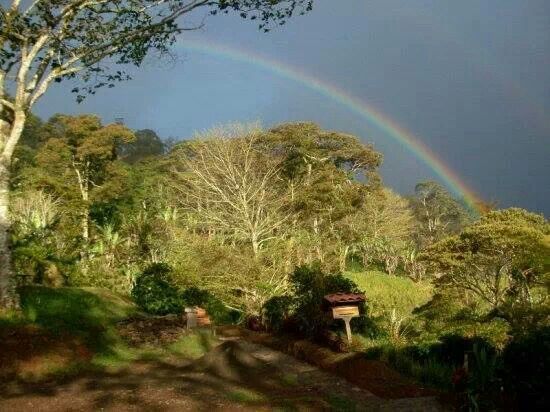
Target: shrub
(154,292)
(194,296)
(526,363)
(452,348)
(415,361)
(276,312)
(309,285)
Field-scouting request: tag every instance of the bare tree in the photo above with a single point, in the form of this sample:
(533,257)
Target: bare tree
(46,41)
(231,186)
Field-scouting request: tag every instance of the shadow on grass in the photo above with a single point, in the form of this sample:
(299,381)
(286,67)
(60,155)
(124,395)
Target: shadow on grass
(59,330)
(228,375)
(87,314)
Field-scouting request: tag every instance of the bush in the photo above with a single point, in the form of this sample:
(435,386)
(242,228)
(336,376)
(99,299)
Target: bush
(154,292)
(526,363)
(218,312)
(303,311)
(310,285)
(452,348)
(276,312)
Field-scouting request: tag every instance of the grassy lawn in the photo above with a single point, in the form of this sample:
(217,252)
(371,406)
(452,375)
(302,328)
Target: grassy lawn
(386,292)
(66,330)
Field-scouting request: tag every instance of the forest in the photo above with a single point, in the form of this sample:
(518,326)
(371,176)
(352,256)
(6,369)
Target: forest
(258,224)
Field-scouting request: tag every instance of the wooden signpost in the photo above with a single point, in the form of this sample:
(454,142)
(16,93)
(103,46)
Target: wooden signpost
(346,313)
(345,306)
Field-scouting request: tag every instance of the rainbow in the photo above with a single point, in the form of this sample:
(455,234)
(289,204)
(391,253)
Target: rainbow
(388,126)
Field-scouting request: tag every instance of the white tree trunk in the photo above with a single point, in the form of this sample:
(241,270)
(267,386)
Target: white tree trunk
(9,136)
(8,294)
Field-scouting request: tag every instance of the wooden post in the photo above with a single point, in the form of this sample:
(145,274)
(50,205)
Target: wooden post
(346,313)
(347,320)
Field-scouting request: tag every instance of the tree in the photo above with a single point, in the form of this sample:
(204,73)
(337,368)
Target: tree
(330,176)
(498,259)
(52,40)
(78,163)
(388,229)
(230,186)
(145,145)
(438,213)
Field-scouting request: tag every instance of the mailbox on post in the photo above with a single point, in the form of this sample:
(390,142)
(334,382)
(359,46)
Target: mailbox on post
(344,306)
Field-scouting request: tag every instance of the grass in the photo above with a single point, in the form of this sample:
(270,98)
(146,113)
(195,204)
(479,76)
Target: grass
(341,404)
(192,346)
(89,316)
(88,313)
(246,396)
(385,292)
(289,379)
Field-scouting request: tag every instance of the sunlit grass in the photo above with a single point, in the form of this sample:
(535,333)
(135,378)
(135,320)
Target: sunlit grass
(385,292)
(193,346)
(244,395)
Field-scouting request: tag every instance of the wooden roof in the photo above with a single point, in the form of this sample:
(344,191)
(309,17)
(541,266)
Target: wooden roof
(341,297)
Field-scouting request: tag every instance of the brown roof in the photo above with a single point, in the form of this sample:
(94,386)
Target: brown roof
(345,297)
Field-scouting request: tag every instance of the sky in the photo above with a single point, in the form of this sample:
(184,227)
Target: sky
(468,79)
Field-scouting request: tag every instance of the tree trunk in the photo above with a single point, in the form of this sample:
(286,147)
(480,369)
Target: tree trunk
(255,243)
(9,136)
(85,226)
(343,258)
(8,294)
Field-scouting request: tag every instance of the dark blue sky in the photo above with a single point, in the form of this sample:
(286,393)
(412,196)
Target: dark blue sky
(469,78)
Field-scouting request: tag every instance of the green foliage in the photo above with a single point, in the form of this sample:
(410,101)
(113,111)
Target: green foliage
(499,261)
(154,293)
(146,144)
(310,285)
(385,292)
(97,273)
(304,307)
(218,312)
(276,312)
(483,369)
(437,212)
(459,289)
(415,361)
(388,230)
(39,255)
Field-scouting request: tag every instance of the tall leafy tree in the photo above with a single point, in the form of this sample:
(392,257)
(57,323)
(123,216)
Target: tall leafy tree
(438,213)
(146,144)
(47,41)
(498,259)
(78,163)
(330,176)
(388,229)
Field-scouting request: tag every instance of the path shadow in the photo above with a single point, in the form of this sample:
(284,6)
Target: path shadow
(233,375)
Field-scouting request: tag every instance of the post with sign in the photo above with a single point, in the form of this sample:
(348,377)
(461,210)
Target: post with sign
(346,313)
(345,306)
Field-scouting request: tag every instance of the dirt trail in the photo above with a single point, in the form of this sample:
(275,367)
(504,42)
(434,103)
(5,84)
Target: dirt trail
(234,376)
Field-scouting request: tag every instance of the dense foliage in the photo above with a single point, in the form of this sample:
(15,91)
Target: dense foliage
(155,293)
(261,224)
(303,310)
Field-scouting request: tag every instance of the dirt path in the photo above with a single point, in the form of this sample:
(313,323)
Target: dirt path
(236,375)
